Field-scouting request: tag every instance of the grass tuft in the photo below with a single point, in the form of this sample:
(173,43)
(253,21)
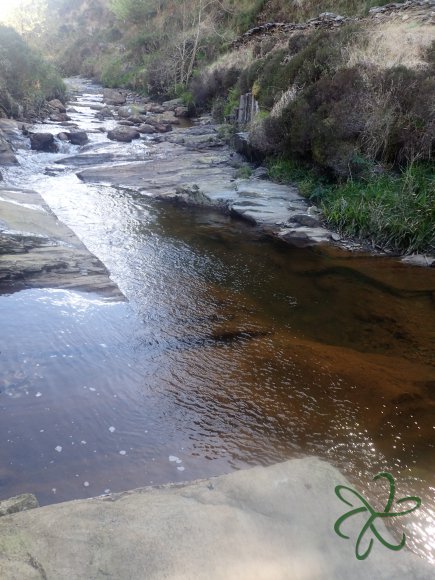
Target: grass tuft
(391,211)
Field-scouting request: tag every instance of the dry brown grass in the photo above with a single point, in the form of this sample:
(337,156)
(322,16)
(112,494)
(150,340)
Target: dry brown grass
(392,43)
(239,59)
(286,98)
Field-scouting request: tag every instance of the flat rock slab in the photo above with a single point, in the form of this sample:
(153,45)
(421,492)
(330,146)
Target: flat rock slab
(175,168)
(37,250)
(265,523)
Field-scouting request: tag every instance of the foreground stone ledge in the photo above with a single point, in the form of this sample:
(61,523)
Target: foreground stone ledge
(263,523)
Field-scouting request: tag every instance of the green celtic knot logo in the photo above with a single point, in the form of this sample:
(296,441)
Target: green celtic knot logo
(370,524)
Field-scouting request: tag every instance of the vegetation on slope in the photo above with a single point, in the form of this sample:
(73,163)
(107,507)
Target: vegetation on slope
(354,104)
(26,80)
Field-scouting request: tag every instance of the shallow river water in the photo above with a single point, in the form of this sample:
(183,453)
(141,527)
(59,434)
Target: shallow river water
(229,351)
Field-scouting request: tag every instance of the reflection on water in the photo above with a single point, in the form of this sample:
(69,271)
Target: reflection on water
(231,351)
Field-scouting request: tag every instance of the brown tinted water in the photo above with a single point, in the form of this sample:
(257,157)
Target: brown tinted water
(231,351)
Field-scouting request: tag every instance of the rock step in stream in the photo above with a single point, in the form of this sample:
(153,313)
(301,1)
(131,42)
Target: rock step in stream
(193,165)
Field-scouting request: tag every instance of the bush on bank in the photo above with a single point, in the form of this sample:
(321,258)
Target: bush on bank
(26,80)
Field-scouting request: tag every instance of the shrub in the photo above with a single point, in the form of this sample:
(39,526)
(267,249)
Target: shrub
(358,113)
(26,80)
(211,85)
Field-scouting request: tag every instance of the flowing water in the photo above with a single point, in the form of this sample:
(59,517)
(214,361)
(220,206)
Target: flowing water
(229,351)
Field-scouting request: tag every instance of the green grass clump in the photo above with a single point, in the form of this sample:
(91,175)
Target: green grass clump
(394,211)
(390,211)
(310,183)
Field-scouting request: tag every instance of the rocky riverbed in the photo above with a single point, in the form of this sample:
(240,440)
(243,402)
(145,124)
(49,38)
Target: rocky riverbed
(194,166)
(184,163)
(231,350)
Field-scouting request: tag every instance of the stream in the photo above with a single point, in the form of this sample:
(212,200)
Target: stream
(230,351)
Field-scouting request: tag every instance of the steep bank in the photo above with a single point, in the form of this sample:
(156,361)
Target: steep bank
(27,81)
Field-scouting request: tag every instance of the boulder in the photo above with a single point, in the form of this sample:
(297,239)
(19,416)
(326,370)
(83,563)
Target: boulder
(63,136)
(57,105)
(114,97)
(7,156)
(124,134)
(43,142)
(172,103)
(137,119)
(129,110)
(162,127)
(105,112)
(59,117)
(78,137)
(420,260)
(156,109)
(146,129)
(243,145)
(181,112)
(167,117)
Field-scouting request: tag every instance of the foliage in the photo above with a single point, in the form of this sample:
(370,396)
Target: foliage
(289,171)
(244,172)
(26,81)
(135,10)
(389,210)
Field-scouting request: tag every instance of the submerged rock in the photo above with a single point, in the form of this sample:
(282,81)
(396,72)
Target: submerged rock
(38,251)
(419,260)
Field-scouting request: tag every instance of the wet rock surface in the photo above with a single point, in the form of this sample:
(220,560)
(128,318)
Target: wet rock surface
(192,165)
(124,134)
(36,250)
(43,142)
(269,523)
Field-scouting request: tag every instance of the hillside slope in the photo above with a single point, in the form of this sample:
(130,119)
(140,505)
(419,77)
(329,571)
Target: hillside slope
(346,102)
